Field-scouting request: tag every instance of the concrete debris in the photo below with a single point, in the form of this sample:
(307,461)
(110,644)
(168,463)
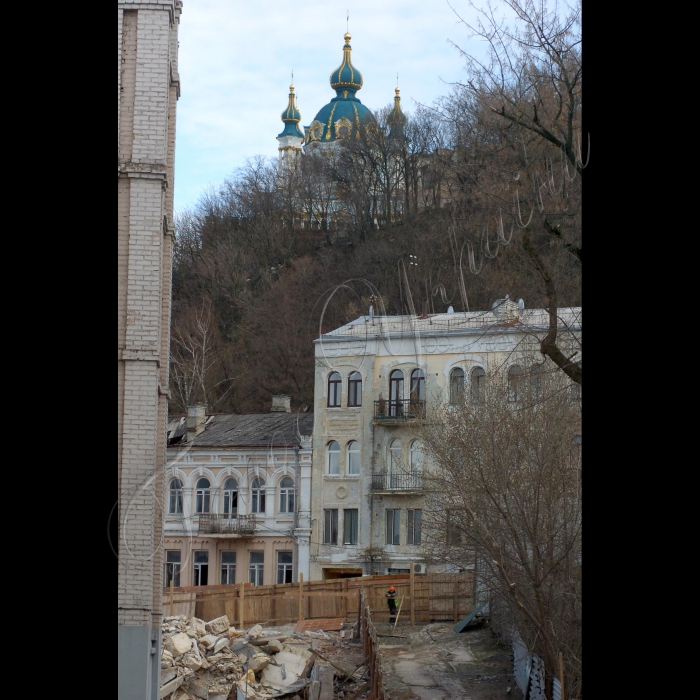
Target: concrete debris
(255,632)
(219,625)
(214,661)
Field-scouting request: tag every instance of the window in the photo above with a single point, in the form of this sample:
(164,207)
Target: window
(175,505)
(415,515)
(203,497)
(258,495)
(456,385)
(330,526)
(333,458)
(416,457)
(393,526)
(230,498)
(286,496)
(417,385)
(396,393)
(515,383)
(201,568)
(350,523)
(355,389)
(228,567)
(334,384)
(353,457)
(284,567)
(173,558)
(256,566)
(454,533)
(395,450)
(478,384)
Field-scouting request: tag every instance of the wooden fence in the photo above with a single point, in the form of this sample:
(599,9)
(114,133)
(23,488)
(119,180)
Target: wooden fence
(427,598)
(370,648)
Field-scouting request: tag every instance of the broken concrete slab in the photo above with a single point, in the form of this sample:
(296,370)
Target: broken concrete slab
(220,644)
(208,641)
(314,690)
(218,625)
(171,686)
(323,673)
(275,645)
(291,664)
(258,662)
(181,644)
(167,675)
(265,639)
(199,688)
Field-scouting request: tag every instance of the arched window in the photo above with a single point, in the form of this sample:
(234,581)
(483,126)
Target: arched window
(203,496)
(175,505)
(334,384)
(355,389)
(395,450)
(478,384)
(417,385)
(456,385)
(257,489)
(333,459)
(354,457)
(230,498)
(416,457)
(515,383)
(287,495)
(396,393)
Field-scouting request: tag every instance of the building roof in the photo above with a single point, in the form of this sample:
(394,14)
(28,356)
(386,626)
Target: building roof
(461,322)
(254,430)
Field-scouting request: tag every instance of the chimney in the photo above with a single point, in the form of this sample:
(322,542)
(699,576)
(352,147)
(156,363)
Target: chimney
(196,417)
(281,403)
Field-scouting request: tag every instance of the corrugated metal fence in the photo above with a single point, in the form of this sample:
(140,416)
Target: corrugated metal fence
(528,669)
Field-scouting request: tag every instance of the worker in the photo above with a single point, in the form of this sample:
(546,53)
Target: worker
(391,595)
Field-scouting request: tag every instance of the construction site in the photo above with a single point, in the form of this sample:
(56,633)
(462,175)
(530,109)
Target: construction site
(321,640)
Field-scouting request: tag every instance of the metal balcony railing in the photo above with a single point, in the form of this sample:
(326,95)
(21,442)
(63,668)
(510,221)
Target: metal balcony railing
(397,482)
(242,525)
(403,409)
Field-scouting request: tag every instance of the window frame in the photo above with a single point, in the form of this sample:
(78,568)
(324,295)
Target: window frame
(413,526)
(336,453)
(285,567)
(417,392)
(330,526)
(393,526)
(416,448)
(172,573)
(477,379)
(355,390)
(256,570)
(287,493)
(228,510)
(257,495)
(353,450)
(515,380)
(335,390)
(202,496)
(228,567)
(396,380)
(456,388)
(176,496)
(351,522)
(198,572)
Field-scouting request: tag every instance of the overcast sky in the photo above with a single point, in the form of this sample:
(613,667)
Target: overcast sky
(236,60)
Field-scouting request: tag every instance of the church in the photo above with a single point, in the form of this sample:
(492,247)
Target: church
(344,117)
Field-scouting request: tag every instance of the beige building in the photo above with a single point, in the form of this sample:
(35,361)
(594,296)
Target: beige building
(238,501)
(148,88)
(377,378)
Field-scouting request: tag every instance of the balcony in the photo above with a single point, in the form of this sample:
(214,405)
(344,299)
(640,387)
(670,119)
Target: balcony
(391,412)
(397,483)
(237,525)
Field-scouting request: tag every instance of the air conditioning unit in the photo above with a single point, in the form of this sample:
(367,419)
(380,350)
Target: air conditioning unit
(419,568)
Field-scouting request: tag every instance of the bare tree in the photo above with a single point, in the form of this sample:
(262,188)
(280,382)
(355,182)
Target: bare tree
(504,482)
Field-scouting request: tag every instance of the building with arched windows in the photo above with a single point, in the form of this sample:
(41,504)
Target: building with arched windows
(238,490)
(378,379)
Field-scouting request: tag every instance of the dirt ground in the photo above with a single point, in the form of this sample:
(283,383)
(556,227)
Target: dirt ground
(432,662)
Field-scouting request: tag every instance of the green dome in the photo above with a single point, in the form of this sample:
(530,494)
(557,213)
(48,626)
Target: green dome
(291,118)
(343,116)
(346,76)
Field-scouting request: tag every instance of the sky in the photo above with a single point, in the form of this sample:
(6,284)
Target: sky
(236,58)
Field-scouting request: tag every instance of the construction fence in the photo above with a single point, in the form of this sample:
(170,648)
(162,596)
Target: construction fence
(426,598)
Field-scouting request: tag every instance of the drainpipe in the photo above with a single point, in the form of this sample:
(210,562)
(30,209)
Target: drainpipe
(295,566)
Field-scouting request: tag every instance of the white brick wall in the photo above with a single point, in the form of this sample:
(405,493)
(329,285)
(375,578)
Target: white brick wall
(147,52)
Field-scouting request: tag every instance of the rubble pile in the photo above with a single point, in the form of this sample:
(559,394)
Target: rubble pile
(214,661)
